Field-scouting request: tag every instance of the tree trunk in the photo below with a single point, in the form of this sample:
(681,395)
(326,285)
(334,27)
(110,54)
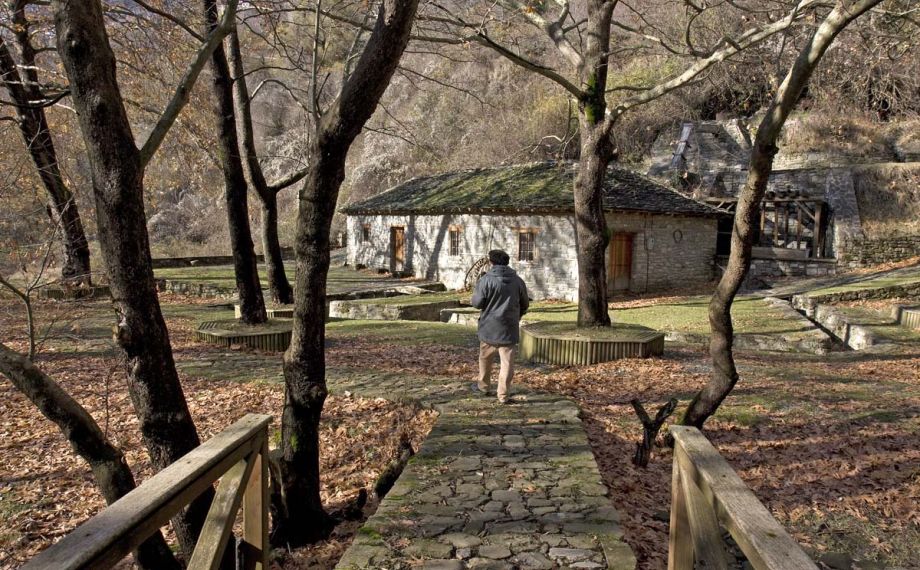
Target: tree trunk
(252,305)
(596,153)
(33,125)
(281,291)
(110,470)
(278,284)
(724,373)
(303,516)
(141,335)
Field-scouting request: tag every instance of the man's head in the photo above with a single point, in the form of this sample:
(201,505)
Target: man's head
(498,257)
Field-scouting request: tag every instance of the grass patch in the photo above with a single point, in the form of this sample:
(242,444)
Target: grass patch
(881,324)
(402,332)
(909,277)
(340,279)
(750,316)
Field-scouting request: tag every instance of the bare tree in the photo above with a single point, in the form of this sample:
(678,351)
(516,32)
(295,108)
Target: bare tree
(117,175)
(29,101)
(110,470)
(724,373)
(582,39)
(303,516)
(252,304)
(278,284)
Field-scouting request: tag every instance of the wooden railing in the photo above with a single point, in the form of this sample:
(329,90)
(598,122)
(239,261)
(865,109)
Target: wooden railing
(706,496)
(236,456)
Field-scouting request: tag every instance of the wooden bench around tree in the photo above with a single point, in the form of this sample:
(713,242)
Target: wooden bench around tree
(707,495)
(236,456)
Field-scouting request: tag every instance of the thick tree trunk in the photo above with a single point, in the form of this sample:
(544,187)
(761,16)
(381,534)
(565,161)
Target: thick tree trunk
(142,338)
(724,373)
(591,230)
(303,516)
(33,125)
(110,470)
(278,284)
(252,304)
(596,153)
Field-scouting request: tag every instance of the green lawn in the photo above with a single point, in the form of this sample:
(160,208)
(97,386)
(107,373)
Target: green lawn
(341,279)
(750,316)
(402,332)
(906,277)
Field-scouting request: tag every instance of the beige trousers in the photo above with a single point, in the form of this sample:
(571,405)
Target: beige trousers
(487,354)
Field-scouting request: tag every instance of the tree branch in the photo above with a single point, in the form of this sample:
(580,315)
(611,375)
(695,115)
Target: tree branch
(181,95)
(746,40)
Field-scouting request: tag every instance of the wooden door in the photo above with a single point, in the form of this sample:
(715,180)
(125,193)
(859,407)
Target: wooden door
(621,248)
(397,249)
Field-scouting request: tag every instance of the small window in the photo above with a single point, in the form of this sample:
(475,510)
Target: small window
(454,245)
(526,241)
(365,233)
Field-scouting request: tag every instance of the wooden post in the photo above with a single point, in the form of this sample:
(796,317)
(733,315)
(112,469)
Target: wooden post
(255,514)
(785,224)
(819,229)
(680,538)
(775,224)
(798,227)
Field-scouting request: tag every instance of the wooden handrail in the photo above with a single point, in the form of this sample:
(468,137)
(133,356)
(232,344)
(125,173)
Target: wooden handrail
(707,494)
(237,456)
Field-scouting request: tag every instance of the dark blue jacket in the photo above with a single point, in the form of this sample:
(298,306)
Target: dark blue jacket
(502,297)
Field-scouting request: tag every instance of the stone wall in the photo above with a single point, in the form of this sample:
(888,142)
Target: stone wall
(668,251)
(863,252)
(771,267)
(552,274)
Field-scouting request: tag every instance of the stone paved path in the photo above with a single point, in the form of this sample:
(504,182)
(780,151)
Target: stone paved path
(492,487)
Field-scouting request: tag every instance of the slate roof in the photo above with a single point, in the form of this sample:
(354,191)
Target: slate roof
(537,188)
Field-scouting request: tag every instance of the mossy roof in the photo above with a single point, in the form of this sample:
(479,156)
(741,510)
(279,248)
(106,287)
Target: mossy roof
(543,187)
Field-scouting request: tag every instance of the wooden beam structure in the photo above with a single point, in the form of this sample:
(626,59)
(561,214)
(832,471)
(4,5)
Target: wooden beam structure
(706,496)
(236,457)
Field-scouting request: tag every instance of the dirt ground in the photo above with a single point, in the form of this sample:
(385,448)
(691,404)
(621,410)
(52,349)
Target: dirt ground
(828,443)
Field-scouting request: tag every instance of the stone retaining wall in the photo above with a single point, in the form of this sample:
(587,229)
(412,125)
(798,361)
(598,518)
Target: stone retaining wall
(772,267)
(837,323)
(860,253)
(808,303)
(369,310)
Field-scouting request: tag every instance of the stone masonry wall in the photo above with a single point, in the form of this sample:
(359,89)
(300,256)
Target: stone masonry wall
(552,274)
(863,252)
(667,251)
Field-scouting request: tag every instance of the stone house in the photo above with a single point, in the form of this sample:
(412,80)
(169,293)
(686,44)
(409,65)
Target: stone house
(441,227)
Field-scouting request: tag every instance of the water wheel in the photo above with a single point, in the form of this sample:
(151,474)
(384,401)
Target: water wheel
(477,270)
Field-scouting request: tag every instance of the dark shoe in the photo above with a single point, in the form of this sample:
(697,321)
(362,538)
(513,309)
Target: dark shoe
(477,390)
(506,401)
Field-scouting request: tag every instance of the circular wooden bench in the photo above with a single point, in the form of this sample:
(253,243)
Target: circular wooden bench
(563,343)
(275,335)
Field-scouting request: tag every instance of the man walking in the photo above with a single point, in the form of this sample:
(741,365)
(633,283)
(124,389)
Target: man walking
(501,296)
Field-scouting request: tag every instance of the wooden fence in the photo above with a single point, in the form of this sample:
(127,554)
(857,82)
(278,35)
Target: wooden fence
(706,496)
(236,456)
